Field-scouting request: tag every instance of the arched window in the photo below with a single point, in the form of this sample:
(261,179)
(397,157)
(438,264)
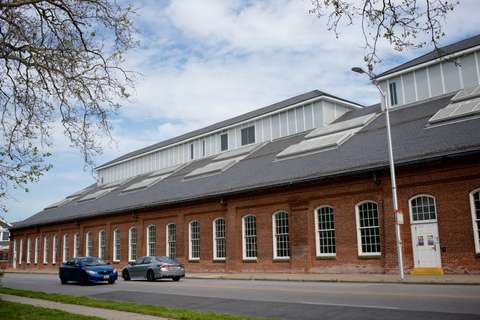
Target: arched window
(151,240)
(54,249)
(29,250)
(65,247)
(101,244)
(280,235)
(422,209)
(368,229)
(249,237)
(88,244)
(219,239)
(171,250)
(475,207)
(116,244)
(37,244)
(325,232)
(45,249)
(194,243)
(132,244)
(20,252)
(76,245)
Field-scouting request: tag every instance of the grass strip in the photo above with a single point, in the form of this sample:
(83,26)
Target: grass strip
(19,311)
(154,310)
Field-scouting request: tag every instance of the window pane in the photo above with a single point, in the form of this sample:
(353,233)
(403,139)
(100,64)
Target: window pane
(369,228)
(248,135)
(250,237)
(172,238)
(220,238)
(281,234)
(195,240)
(224,142)
(133,245)
(423,208)
(476,215)
(326,231)
(152,240)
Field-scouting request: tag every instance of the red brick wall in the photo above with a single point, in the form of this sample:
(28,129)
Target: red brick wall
(449,182)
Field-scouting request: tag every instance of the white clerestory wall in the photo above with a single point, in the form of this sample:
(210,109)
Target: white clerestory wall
(445,75)
(290,120)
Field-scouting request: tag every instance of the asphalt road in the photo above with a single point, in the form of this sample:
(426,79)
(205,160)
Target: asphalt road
(282,300)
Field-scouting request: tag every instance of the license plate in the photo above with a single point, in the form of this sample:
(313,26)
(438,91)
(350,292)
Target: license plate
(105,277)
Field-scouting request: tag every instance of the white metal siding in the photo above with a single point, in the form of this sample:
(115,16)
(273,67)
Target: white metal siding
(299,119)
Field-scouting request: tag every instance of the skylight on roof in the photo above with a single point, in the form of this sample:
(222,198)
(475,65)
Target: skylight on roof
(214,167)
(145,183)
(95,195)
(166,171)
(59,203)
(465,103)
(321,143)
(340,126)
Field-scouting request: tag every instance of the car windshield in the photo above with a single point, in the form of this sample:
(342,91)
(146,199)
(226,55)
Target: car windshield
(91,261)
(165,260)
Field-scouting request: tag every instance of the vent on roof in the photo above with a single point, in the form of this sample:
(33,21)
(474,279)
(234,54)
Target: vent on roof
(465,104)
(145,183)
(95,195)
(317,144)
(340,126)
(327,138)
(214,167)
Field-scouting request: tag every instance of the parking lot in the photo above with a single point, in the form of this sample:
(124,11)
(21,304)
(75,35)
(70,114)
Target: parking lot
(280,299)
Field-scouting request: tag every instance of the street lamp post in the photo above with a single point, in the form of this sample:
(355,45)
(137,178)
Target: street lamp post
(393,179)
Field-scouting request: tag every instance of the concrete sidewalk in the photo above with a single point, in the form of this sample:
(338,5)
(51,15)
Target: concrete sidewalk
(82,310)
(459,279)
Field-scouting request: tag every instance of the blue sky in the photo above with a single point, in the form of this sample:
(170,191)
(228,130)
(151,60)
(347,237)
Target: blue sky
(205,61)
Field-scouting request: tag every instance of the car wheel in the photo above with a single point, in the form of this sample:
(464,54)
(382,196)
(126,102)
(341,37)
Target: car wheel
(83,280)
(150,275)
(111,281)
(126,275)
(63,281)
(176,279)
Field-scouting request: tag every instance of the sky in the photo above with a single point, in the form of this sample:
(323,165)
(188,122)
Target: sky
(201,62)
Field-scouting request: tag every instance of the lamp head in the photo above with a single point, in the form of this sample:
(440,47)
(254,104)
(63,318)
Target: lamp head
(358,70)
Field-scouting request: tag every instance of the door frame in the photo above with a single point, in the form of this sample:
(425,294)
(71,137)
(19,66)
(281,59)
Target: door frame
(433,222)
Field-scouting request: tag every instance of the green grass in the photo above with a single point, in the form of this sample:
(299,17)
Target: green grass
(154,310)
(18,311)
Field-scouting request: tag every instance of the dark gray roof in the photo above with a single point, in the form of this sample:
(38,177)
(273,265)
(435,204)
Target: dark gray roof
(413,141)
(434,54)
(246,116)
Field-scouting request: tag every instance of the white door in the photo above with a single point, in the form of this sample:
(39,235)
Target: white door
(426,245)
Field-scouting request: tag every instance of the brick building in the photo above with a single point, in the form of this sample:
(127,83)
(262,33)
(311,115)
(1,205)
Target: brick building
(299,186)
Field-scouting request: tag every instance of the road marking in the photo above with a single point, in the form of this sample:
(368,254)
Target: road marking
(348,305)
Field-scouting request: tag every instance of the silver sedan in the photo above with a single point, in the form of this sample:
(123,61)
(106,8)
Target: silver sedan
(152,268)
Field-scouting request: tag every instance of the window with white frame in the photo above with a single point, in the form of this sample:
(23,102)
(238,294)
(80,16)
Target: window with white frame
(132,244)
(368,229)
(65,247)
(76,245)
(101,244)
(54,249)
(422,208)
(248,135)
(45,249)
(475,207)
(224,142)
(37,244)
(116,244)
(194,243)
(249,235)
(29,250)
(151,240)
(171,240)
(280,235)
(325,232)
(20,252)
(14,258)
(219,252)
(88,244)
(393,93)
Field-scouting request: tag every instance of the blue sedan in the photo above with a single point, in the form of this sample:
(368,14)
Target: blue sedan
(87,270)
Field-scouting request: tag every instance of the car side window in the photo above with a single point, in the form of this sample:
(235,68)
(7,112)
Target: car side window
(139,260)
(147,260)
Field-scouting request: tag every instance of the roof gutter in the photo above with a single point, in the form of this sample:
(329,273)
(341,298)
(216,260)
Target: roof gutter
(428,63)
